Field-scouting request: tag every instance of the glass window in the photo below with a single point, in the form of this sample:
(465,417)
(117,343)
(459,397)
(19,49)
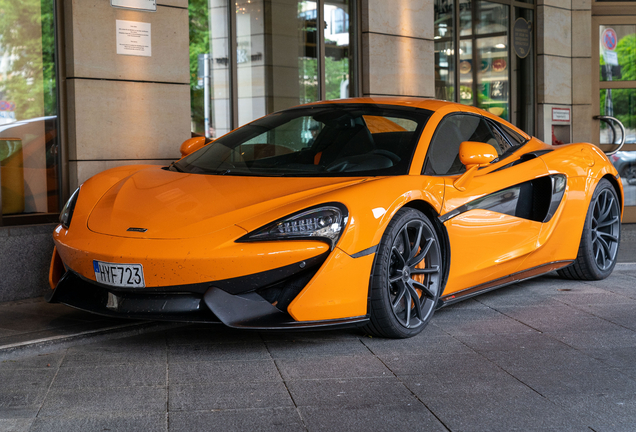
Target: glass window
(619,103)
(444,50)
(474,63)
(617,48)
(492,58)
(319,141)
(209,68)
(513,136)
(522,64)
(617,54)
(443,153)
(29,156)
(338,52)
(277,64)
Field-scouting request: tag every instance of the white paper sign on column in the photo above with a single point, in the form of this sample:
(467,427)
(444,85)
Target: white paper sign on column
(133,38)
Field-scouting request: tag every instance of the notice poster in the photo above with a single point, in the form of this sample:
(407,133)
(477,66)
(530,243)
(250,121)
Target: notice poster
(133,38)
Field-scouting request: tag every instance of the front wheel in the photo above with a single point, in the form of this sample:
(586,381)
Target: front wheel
(406,276)
(601,237)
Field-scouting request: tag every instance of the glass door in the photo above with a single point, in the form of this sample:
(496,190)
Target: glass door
(615,74)
(484,57)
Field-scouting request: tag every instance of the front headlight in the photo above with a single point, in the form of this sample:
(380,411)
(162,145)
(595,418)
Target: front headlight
(323,222)
(67,211)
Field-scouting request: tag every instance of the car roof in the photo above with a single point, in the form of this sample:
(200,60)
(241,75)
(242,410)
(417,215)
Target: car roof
(423,103)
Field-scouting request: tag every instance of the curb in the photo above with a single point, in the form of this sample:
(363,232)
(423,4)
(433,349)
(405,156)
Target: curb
(625,266)
(54,343)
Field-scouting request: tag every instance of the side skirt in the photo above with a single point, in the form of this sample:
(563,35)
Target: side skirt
(501,282)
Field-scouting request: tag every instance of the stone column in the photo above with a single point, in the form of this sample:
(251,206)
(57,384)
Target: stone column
(397,48)
(554,62)
(582,71)
(124,109)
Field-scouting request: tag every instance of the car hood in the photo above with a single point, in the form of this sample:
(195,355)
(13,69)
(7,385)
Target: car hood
(173,205)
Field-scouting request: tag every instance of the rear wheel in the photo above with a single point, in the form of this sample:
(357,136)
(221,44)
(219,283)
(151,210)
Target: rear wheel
(600,239)
(406,276)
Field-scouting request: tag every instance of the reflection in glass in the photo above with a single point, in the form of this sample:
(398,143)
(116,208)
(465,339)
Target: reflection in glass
(28,108)
(444,50)
(307,42)
(524,70)
(624,109)
(338,53)
(466,72)
(617,48)
(491,18)
(492,58)
(465,18)
(209,68)
(493,75)
(250,59)
(625,163)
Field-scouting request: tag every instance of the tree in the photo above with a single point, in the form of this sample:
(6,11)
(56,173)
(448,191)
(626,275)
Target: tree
(199,44)
(27,38)
(623,100)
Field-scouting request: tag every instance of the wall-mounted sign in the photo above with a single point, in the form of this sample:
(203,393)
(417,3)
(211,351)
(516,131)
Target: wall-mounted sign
(610,57)
(133,38)
(561,114)
(522,37)
(143,5)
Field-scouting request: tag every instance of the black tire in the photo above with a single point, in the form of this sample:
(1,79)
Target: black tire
(600,238)
(404,276)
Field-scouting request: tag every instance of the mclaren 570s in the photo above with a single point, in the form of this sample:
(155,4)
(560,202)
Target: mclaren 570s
(370,212)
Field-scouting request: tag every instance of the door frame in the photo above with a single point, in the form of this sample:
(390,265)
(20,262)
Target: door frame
(598,18)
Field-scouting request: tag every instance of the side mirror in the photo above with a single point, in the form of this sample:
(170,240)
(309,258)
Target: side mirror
(191,145)
(473,155)
(476,153)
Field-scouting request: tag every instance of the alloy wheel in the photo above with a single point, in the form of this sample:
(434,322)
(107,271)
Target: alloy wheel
(414,274)
(605,229)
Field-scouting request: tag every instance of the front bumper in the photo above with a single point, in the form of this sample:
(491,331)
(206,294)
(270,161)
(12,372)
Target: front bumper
(198,303)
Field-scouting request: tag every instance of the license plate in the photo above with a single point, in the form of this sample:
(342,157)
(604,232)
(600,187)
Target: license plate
(119,275)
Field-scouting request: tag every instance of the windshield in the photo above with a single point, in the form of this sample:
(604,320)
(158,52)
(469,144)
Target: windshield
(322,140)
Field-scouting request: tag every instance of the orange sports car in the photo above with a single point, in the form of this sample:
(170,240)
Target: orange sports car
(370,212)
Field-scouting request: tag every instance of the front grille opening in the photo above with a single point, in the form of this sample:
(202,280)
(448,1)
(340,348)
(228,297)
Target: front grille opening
(282,293)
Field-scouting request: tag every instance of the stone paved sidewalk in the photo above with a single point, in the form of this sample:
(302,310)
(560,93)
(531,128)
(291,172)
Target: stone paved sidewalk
(543,355)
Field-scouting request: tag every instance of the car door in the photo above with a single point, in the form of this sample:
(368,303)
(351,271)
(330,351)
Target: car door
(490,223)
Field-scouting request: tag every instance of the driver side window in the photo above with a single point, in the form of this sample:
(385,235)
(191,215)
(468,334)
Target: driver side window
(443,153)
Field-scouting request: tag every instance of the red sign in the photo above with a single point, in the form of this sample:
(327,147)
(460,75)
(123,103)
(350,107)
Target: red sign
(609,39)
(7,106)
(561,115)
(499,65)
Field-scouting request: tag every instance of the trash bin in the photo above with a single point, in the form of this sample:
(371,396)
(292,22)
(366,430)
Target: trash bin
(11,175)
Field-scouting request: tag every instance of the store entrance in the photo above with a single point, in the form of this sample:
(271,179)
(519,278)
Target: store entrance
(615,79)
(485,57)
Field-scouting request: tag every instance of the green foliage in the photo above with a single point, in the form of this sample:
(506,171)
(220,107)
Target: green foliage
(27,35)
(623,100)
(336,71)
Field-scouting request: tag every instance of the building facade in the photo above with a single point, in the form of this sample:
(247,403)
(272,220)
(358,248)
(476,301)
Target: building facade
(86,85)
